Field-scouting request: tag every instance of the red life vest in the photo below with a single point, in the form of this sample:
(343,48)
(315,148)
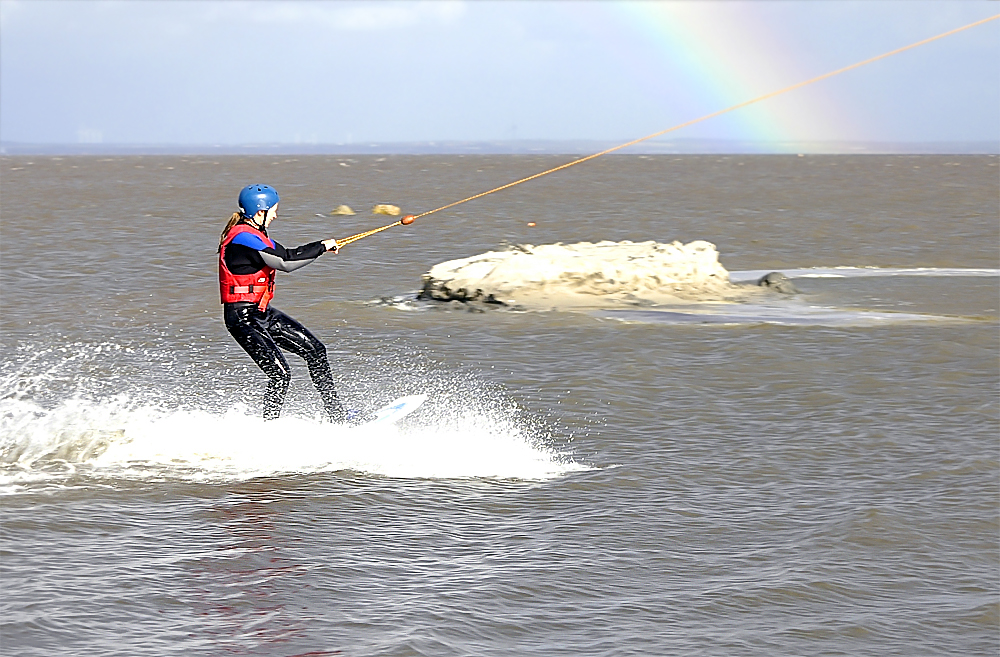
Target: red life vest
(257,287)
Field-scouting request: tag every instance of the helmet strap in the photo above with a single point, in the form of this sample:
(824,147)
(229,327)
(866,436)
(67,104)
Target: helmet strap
(253,222)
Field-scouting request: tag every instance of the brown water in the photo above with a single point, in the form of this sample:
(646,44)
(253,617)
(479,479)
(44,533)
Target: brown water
(808,474)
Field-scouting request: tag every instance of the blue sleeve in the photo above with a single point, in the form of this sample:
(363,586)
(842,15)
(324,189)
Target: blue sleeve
(250,240)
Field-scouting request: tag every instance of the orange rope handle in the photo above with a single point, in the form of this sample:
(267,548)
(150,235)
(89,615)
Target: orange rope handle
(745,103)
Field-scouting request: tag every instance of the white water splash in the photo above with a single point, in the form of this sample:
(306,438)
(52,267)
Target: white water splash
(119,440)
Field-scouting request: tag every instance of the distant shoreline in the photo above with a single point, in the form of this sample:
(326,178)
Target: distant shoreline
(518,147)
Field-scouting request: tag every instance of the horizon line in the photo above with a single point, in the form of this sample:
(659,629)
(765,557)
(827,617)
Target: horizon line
(682,146)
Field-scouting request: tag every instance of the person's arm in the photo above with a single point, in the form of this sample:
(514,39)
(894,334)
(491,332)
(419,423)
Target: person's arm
(278,257)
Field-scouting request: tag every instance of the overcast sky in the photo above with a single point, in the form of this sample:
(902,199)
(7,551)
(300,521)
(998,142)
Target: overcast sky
(352,72)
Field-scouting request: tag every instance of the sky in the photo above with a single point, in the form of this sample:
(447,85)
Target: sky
(238,73)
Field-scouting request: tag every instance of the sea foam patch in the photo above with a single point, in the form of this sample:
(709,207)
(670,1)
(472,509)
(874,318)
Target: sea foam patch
(782,313)
(585,274)
(865,272)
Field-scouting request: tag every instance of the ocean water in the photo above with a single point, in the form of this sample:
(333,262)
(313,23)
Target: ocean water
(798,474)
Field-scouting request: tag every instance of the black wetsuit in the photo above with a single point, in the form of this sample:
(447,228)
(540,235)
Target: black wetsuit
(262,333)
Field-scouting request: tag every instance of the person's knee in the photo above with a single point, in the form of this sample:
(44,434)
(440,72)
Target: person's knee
(279,374)
(315,351)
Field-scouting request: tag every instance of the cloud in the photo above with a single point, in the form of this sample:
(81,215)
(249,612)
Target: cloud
(345,16)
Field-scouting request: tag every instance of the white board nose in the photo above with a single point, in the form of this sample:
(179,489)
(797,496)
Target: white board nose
(397,409)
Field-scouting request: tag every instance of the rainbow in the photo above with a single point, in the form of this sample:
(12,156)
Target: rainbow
(695,58)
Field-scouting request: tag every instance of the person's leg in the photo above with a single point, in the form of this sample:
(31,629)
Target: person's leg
(290,335)
(245,326)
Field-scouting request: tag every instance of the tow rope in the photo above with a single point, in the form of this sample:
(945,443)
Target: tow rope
(409,219)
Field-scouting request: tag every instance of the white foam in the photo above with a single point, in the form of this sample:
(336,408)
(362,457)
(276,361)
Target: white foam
(119,440)
(861,272)
(783,313)
(595,274)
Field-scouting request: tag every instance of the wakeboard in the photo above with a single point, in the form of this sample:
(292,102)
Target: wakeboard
(396,410)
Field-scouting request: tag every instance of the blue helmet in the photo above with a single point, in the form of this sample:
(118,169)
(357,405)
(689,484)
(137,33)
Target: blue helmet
(254,198)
